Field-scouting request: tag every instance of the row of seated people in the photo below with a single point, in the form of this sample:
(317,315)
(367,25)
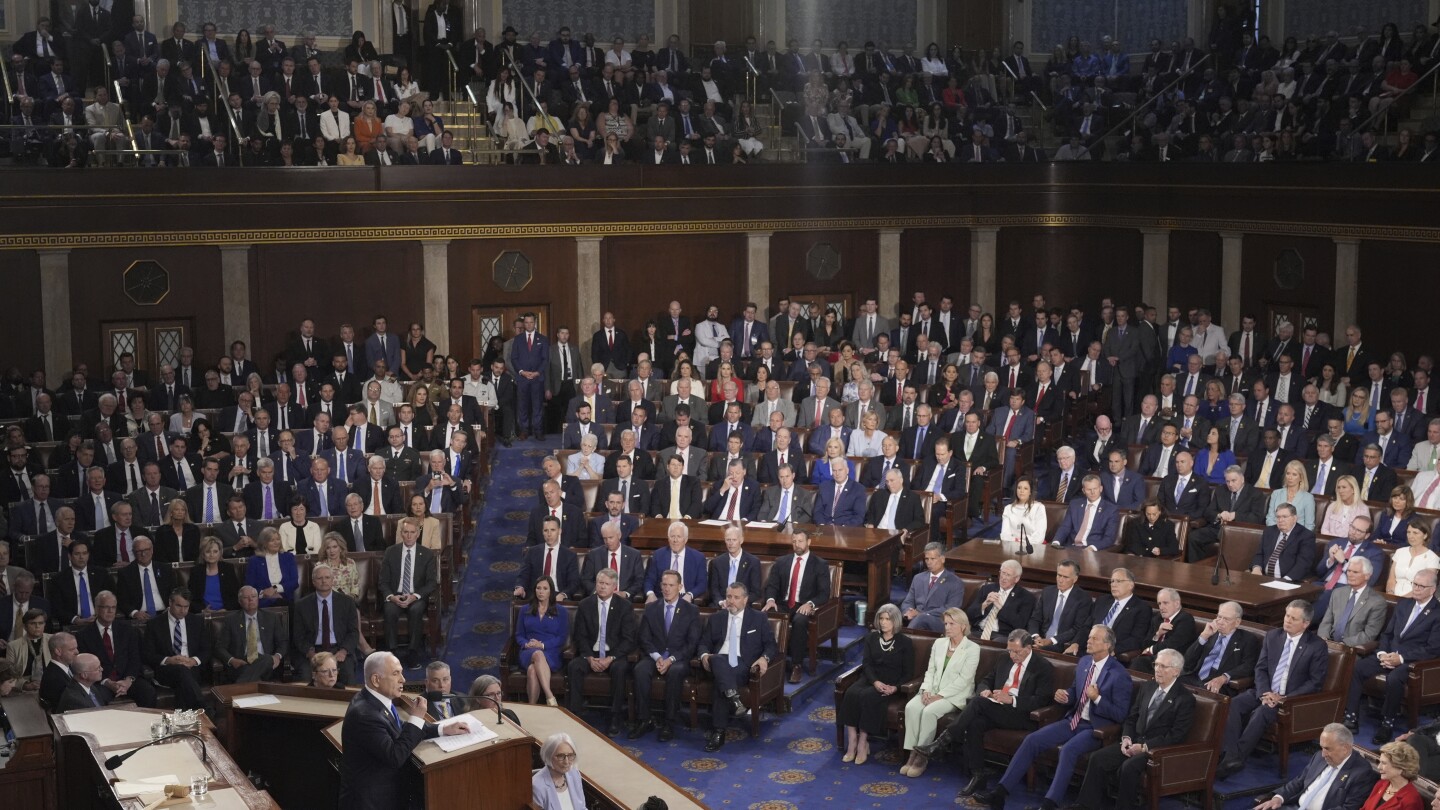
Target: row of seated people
(164,629)
(667,632)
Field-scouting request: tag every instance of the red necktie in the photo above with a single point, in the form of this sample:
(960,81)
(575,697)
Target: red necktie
(795,581)
(124,548)
(1014,376)
(1084,698)
(110,653)
(549,555)
(734,501)
(1015,681)
(1039,396)
(614,564)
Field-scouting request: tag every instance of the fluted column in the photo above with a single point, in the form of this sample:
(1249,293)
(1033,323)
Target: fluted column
(55,313)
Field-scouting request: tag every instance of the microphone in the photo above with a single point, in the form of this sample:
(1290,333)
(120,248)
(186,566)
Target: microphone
(1025,536)
(1220,560)
(119,759)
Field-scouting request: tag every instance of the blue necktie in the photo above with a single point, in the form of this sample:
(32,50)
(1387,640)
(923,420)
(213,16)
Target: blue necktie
(734,571)
(1339,633)
(604,613)
(1212,661)
(395,713)
(1110,615)
(669,617)
(1054,631)
(149,594)
(919,440)
(84,597)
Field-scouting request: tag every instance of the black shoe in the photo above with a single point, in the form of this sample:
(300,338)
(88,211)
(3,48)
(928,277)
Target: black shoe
(995,798)
(1228,768)
(939,745)
(975,785)
(716,740)
(1385,733)
(539,437)
(615,727)
(506,442)
(1352,722)
(640,730)
(667,733)
(736,703)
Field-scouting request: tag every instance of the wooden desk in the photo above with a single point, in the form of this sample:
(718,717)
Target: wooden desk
(836,544)
(282,742)
(621,779)
(27,776)
(90,736)
(1192,580)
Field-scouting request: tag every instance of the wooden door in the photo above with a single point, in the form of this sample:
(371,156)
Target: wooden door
(153,342)
(1296,314)
(488,322)
(728,20)
(974,24)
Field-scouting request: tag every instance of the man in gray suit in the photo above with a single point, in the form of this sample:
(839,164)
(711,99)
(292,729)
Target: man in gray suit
(820,404)
(868,324)
(771,402)
(1356,614)
(249,658)
(787,502)
(684,395)
(867,403)
(1123,351)
(408,576)
(932,592)
(693,456)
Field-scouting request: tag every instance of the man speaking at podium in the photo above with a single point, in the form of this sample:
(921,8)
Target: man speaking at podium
(381,729)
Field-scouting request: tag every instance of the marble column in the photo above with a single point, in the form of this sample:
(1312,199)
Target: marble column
(1155,286)
(587,298)
(235,292)
(889,294)
(1231,245)
(55,313)
(982,267)
(757,270)
(1347,283)
(436,288)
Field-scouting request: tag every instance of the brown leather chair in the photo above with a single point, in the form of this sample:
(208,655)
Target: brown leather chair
(826,622)
(512,672)
(1240,542)
(758,692)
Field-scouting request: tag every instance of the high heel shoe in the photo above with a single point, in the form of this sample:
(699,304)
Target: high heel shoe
(905,769)
(918,769)
(849,757)
(550,701)
(862,753)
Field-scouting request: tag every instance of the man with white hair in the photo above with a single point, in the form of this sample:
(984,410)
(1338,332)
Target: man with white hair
(1335,777)
(375,768)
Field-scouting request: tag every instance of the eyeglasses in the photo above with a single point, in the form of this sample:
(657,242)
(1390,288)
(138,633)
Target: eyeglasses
(562,756)
(330,671)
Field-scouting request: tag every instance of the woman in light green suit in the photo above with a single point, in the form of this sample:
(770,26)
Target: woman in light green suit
(949,683)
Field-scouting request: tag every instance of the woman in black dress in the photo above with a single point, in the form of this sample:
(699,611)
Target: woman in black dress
(1151,535)
(888,662)
(416,354)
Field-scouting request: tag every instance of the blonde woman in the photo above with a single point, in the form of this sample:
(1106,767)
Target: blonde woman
(368,127)
(347,578)
(866,441)
(1295,492)
(949,682)
(1346,507)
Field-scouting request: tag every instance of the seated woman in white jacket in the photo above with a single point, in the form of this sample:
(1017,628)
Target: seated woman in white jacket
(949,683)
(1024,517)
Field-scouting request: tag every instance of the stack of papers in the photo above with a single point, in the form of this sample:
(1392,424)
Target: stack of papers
(478,734)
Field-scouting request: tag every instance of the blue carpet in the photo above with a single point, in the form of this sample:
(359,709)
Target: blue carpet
(795,762)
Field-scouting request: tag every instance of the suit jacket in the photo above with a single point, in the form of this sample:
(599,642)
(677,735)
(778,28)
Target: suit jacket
(7,612)
(405,467)
(305,623)
(802,505)
(130,595)
(75,697)
(140,501)
(335,492)
(1242,653)
(632,569)
(690,502)
(694,572)
(230,636)
(909,513)
(1247,435)
(628,524)
(565,570)
(376,773)
(1131,624)
(1102,527)
(642,464)
(1114,685)
(947,592)
(1367,618)
(952,483)
(622,628)
(814,581)
(1074,617)
(255,499)
(159,644)
(684,637)
(195,500)
(848,510)
(1421,640)
(1297,558)
(67,601)
(717,577)
(572,525)
(747,508)
(639,494)
(756,638)
(1308,661)
(1193,499)
(1169,724)
(1397,450)
(1347,791)
(53,683)
(125,639)
(1015,613)
(424,577)
(1384,481)
(570,435)
(984,454)
(1256,462)
(371,529)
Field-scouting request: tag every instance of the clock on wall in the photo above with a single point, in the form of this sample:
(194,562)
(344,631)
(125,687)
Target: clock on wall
(146,283)
(823,261)
(513,271)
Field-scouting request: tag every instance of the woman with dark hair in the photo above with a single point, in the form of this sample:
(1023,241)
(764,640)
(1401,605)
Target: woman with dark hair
(242,51)
(1215,457)
(425,413)
(541,633)
(359,50)
(1152,535)
(649,343)
(493,349)
(830,333)
(416,353)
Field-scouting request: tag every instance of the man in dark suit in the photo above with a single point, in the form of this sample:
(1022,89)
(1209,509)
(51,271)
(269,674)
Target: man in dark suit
(266,497)
(669,636)
(375,771)
(151,500)
(944,476)
(92,508)
(977,451)
(735,565)
(1184,492)
(570,516)
(1171,628)
(177,648)
(611,554)
(18,601)
(1019,683)
(324,496)
(735,497)
(1099,695)
(550,558)
(873,475)
(1375,478)
(606,632)
(895,508)
(1326,467)
(1222,653)
(610,347)
(1292,663)
(1336,776)
(785,502)
(49,552)
(634,492)
(143,584)
(1287,549)
(1236,502)
(324,620)
(1123,612)
(409,574)
(251,643)
(1161,713)
(801,582)
(676,486)
(361,530)
(74,589)
(57,675)
(1412,634)
(1119,484)
(1001,606)
(733,643)
(118,647)
(1061,628)
(207,498)
(841,503)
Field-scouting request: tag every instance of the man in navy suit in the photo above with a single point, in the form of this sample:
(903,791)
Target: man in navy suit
(1287,549)
(570,515)
(1016,425)
(324,496)
(1330,570)
(1100,695)
(615,513)
(800,582)
(1124,612)
(1412,634)
(735,565)
(1183,492)
(375,770)
(530,355)
(610,346)
(625,562)
(669,636)
(944,475)
(733,643)
(1119,484)
(1394,448)
(733,423)
(841,503)
(606,632)
(1292,663)
(381,345)
(346,463)
(835,428)
(1034,337)
(748,332)
(1158,459)
(1336,776)
(1089,522)
(549,559)
(446,154)
(680,558)
(736,498)
(1065,628)
(678,486)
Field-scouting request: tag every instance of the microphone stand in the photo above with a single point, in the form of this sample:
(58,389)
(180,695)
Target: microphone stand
(1025,539)
(119,759)
(1220,560)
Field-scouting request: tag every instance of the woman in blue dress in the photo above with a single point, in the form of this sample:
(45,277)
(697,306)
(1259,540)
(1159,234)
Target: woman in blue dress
(541,633)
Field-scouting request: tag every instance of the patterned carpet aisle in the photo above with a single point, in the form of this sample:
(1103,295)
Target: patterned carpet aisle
(794,764)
